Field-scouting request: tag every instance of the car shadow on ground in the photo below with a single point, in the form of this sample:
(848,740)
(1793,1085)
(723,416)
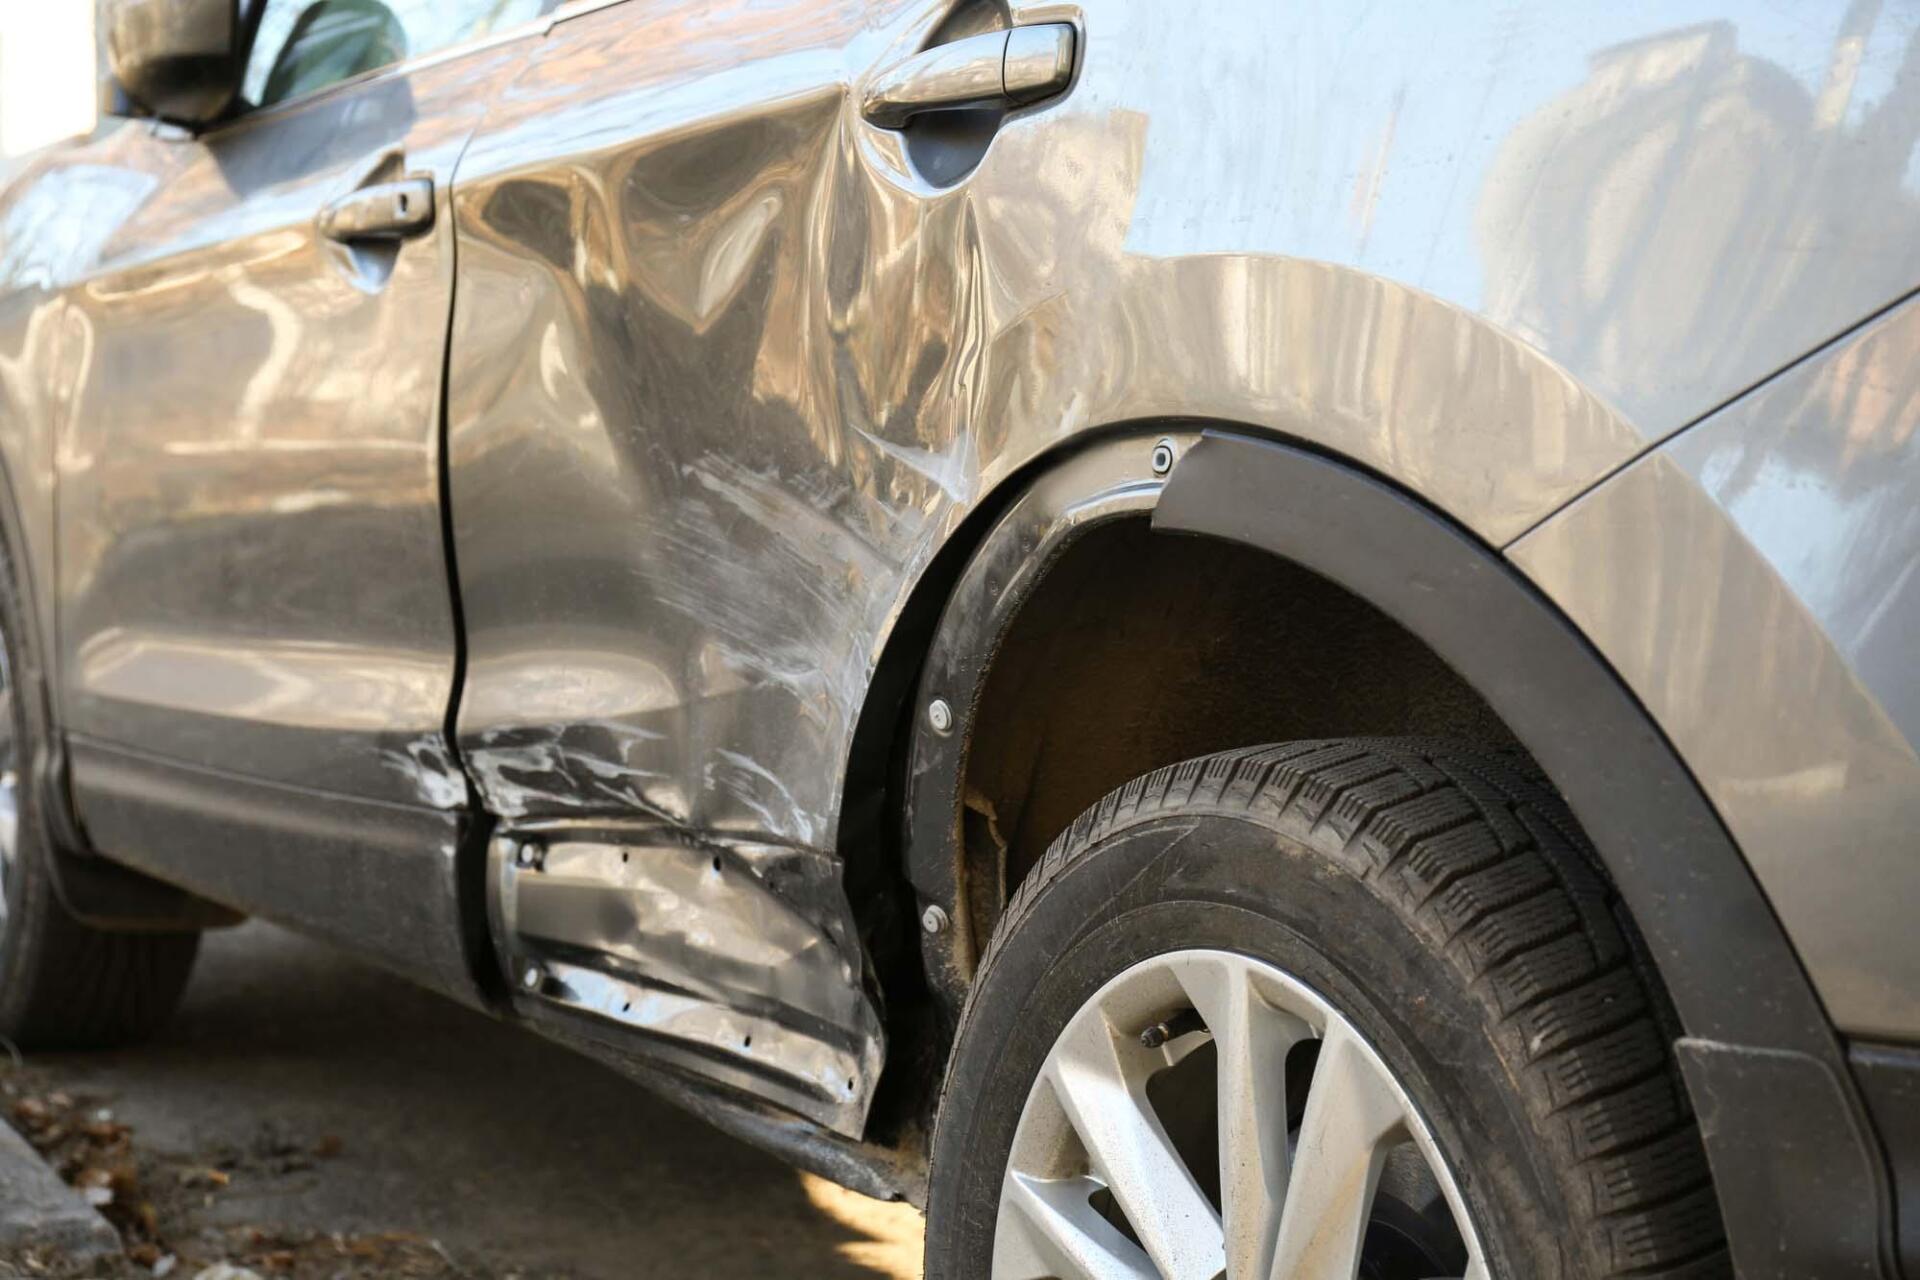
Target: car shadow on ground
(300,1092)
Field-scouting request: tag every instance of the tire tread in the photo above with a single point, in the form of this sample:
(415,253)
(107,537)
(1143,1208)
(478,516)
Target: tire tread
(88,988)
(1484,862)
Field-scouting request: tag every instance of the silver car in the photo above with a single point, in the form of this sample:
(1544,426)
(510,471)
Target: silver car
(1251,638)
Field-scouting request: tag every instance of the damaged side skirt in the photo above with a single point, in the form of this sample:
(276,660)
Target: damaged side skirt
(883,1172)
(729,961)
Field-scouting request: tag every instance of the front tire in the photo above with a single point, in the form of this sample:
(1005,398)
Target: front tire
(63,984)
(1414,922)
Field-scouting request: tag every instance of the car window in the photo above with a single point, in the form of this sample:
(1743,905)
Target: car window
(306,45)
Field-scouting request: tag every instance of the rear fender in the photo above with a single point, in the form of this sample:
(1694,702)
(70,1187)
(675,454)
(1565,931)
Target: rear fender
(1804,1194)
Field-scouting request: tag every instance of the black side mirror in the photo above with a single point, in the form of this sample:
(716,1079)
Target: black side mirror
(180,60)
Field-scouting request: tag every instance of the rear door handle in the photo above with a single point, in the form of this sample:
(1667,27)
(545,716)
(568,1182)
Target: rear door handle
(382,211)
(995,69)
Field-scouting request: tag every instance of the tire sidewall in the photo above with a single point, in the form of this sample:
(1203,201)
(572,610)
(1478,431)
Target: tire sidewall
(28,887)
(1192,881)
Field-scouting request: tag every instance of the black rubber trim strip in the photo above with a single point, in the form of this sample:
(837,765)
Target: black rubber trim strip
(1735,980)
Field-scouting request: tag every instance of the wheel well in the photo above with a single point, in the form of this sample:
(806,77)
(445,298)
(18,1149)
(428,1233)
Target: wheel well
(1132,650)
(1140,648)
(1107,622)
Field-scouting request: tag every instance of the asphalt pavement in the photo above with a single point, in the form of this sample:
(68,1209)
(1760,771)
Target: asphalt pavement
(298,1092)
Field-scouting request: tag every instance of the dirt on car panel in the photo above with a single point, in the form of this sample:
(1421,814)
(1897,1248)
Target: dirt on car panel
(153,1200)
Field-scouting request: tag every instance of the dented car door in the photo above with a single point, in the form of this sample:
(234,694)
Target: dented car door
(689,384)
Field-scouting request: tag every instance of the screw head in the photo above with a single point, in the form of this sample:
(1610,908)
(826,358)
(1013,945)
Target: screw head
(531,978)
(940,716)
(934,919)
(1163,457)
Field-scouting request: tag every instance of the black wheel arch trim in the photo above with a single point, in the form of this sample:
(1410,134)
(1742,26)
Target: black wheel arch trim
(1755,1032)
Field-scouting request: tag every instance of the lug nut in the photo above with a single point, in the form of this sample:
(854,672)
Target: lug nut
(934,919)
(1163,457)
(940,716)
(529,855)
(531,978)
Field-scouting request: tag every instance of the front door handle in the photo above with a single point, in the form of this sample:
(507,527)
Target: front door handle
(1000,69)
(382,211)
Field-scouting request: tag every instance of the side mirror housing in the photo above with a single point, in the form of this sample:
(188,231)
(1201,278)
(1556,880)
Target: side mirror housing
(180,60)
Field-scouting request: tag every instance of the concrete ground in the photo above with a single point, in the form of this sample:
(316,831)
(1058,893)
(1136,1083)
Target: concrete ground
(337,1099)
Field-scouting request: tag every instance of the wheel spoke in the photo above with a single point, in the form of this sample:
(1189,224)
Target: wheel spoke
(1048,1227)
(1352,1111)
(1091,1146)
(1100,1079)
(1251,1040)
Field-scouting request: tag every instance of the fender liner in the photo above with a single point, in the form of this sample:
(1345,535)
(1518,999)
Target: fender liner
(1801,1180)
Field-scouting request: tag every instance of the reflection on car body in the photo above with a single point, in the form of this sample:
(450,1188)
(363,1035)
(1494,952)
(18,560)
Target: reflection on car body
(498,486)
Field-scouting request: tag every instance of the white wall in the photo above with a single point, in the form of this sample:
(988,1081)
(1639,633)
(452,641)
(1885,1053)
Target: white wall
(46,72)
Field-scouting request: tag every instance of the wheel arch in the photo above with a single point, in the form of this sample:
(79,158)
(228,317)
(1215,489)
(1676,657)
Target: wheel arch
(1755,1034)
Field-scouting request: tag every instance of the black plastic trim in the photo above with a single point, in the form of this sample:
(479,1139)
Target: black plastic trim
(1107,480)
(375,877)
(1757,1035)
(1890,1077)
(1793,1163)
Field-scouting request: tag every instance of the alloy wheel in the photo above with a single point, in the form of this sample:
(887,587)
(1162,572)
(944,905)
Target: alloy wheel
(1205,1113)
(9,789)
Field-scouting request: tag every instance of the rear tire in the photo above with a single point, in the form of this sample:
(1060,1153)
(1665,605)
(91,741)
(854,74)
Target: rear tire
(1444,903)
(63,984)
